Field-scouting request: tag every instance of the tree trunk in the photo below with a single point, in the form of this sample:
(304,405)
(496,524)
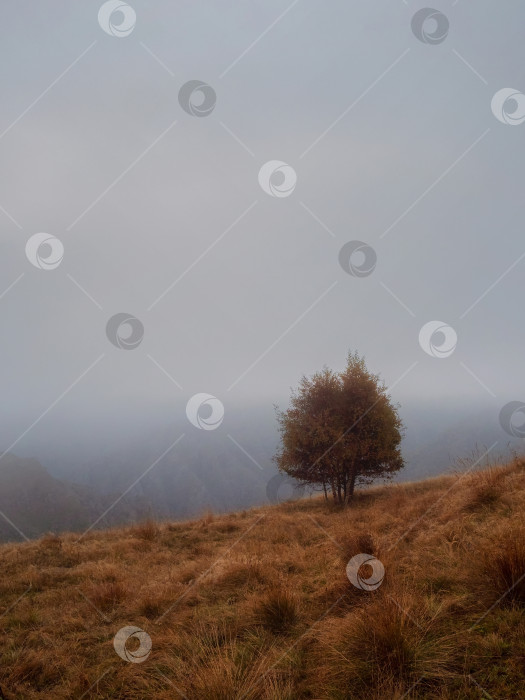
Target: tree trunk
(332,486)
(325,492)
(350,483)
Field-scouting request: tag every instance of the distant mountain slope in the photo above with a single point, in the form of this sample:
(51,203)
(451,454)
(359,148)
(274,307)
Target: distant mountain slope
(224,470)
(198,473)
(32,502)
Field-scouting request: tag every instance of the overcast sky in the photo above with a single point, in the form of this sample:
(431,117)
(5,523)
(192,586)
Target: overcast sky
(161,214)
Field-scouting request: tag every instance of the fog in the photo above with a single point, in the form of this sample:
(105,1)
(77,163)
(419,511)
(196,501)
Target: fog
(162,216)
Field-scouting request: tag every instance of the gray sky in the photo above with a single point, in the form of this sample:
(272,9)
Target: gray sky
(393,142)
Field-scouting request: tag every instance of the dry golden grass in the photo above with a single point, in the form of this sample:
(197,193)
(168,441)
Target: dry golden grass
(256,605)
(277,611)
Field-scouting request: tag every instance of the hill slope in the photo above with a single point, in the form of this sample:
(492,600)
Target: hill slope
(257,604)
(32,502)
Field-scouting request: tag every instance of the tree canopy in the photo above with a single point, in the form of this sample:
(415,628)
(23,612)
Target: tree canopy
(340,429)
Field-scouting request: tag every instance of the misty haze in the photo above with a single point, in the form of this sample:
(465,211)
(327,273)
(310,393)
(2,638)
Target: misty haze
(262,402)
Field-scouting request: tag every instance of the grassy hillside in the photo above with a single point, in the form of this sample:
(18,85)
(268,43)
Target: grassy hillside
(257,604)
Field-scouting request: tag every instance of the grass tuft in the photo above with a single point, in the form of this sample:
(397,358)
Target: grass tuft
(504,566)
(277,611)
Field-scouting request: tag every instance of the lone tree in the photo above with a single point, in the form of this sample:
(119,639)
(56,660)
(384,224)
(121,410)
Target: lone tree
(341,429)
